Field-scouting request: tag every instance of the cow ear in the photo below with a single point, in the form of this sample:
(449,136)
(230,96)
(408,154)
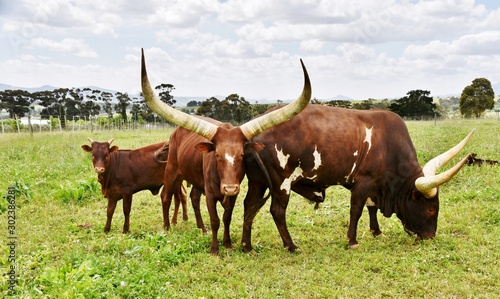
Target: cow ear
(205,147)
(86,148)
(114,148)
(256,146)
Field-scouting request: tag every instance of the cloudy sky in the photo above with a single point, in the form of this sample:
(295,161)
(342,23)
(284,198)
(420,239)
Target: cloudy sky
(360,49)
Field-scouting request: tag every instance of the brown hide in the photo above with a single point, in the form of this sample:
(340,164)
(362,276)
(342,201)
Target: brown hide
(368,152)
(122,173)
(194,159)
(220,170)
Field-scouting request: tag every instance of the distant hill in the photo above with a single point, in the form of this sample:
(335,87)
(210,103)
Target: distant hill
(338,97)
(30,89)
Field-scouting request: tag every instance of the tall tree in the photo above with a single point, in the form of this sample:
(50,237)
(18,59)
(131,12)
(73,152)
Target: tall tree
(16,102)
(415,105)
(258,109)
(476,98)
(46,99)
(239,109)
(123,102)
(107,107)
(74,103)
(164,94)
(59,107)
(210,108)
(364,105)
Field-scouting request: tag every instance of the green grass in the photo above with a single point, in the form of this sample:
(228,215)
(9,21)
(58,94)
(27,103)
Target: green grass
(62,251)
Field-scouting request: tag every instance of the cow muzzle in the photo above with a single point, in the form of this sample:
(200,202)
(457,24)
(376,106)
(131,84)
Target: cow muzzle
(99,169)
(230,189)
(426,235)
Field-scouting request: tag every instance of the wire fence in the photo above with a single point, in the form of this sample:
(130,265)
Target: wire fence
(36,125)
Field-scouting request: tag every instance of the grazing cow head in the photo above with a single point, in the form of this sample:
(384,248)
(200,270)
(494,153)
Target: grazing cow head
(101,154)
(421,212)
(225,141)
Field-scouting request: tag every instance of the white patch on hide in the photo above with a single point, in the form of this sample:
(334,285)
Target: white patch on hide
(287,183)
(282,158)
(317,158)
(319,194)
(230,159)
(355,154)
(368,139)
(370,203)
(352,171)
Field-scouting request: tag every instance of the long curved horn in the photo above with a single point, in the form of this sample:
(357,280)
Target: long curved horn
(175,116)
(428,184)
(90,140)
(111,140)
(276,117)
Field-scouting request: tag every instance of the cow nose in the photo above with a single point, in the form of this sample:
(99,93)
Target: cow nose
(427,235)
(99,169)
(230,189)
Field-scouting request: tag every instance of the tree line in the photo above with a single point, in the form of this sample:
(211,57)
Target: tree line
(80,103)
(83,103)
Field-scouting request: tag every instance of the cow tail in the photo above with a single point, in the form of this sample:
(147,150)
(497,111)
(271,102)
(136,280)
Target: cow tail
(162,152)
(266,173)
(158,159)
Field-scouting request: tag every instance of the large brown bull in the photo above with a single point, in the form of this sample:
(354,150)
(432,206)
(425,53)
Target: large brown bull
(209,154)
(368,152)
(122,173)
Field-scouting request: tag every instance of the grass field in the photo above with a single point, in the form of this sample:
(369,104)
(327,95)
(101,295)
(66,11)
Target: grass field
(62,252)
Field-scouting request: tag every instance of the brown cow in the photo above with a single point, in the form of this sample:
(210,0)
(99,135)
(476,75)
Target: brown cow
(368,152)
(209,154)
(122,173)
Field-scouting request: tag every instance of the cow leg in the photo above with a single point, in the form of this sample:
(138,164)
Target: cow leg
(166,201)
(183,196)
(180,198)
(214,222)
(195,195)
(254,200)
(109,214)
(355,214)
(170,185)
(127,205)
(279,204)
(374,227)
(226,218)
(177,202)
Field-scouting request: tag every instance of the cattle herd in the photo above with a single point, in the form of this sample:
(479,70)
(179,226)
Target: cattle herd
(298,147)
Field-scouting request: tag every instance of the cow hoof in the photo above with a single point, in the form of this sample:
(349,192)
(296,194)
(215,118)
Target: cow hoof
(294,249)
(354,246)
(376,233)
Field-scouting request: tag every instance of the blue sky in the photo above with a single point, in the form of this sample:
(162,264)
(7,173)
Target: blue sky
(361,49)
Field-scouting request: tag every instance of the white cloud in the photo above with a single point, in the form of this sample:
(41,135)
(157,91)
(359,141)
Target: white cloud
(182,14)
(358,48)
(76,47)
